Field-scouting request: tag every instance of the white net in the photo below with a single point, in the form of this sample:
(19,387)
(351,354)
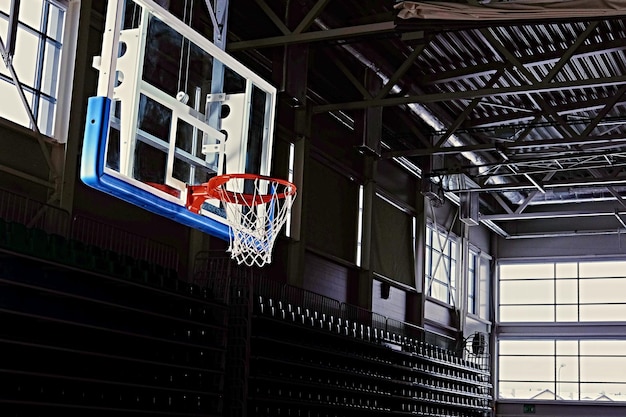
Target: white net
(256,209)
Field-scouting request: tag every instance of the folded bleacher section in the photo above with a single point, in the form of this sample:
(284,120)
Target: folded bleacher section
(92,331)
(310,355)
(98,323)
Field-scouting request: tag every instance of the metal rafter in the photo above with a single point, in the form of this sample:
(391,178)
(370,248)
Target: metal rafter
(541,87)
(273,17)
(469,72)
(570,183)
(343,33)
(466,112)
(544,107)
(609,104)
(401,71)
(307,21)
(532,80)
(609,139)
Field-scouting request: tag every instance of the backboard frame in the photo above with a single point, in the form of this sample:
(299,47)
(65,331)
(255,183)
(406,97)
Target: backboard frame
(101,120)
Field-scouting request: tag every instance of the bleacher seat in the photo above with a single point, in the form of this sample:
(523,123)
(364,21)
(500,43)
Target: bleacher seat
(18,237)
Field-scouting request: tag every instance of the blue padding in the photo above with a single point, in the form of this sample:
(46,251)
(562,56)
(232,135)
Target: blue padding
(92,173)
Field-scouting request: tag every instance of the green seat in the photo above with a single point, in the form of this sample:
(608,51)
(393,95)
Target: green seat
(18,237)
(120,265)
(3,232)
(79,254)
(39,243)
(58,248)
(99,259)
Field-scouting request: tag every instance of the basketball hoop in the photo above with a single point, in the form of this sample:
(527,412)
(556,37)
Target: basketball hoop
(256,209)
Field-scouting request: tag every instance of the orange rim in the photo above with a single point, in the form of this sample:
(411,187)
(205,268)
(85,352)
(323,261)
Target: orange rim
(215,189)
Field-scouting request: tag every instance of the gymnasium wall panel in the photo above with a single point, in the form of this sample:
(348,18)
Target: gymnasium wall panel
(389,302)
(330,218)
(392,243)
(325,277)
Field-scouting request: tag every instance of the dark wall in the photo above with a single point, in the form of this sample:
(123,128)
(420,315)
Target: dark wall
(326,277)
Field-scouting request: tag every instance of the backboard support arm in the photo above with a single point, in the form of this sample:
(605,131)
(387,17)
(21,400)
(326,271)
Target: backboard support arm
(219,16)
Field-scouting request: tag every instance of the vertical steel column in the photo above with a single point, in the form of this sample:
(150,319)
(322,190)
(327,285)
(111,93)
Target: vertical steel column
(219,17)
(371,132)
(290,69)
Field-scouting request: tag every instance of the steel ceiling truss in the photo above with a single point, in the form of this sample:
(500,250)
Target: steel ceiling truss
(563,102)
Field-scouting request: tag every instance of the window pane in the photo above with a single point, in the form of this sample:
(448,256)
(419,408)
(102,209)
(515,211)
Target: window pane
(50,69)
(30,13)
(46,117)
(442,270)
(602,312)
(566,270)
(603,347)
(531,271)
(25,63)
(568,391)
(11,106)
(602,392)
(602,269)
(439,291)
(56,17)
(567,291)
(603,290)
(526,347)
(567,368)
(567,347)
(526,390)
(527,313)
(567,313)
(527,292)
(527,368)
(602,369)
(39,76)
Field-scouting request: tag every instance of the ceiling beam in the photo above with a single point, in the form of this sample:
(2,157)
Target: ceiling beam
(490,147)
(570,183)
(609,104)
(311,16)
(541,87)
(519,215)
(401,71)
(548,58)
(316,36)
(273,17)
(467,111)
(547,215)
(563,110)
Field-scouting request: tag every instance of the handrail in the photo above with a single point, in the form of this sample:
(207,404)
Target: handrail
(123,242)
(34,214)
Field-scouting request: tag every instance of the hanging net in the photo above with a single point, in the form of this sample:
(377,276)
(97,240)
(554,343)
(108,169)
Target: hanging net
(256,209)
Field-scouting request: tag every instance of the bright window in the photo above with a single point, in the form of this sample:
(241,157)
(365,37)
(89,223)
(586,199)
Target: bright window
(563,292)
(583,301)
(553,369)
(38,63)
(441,259)
(472,281)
